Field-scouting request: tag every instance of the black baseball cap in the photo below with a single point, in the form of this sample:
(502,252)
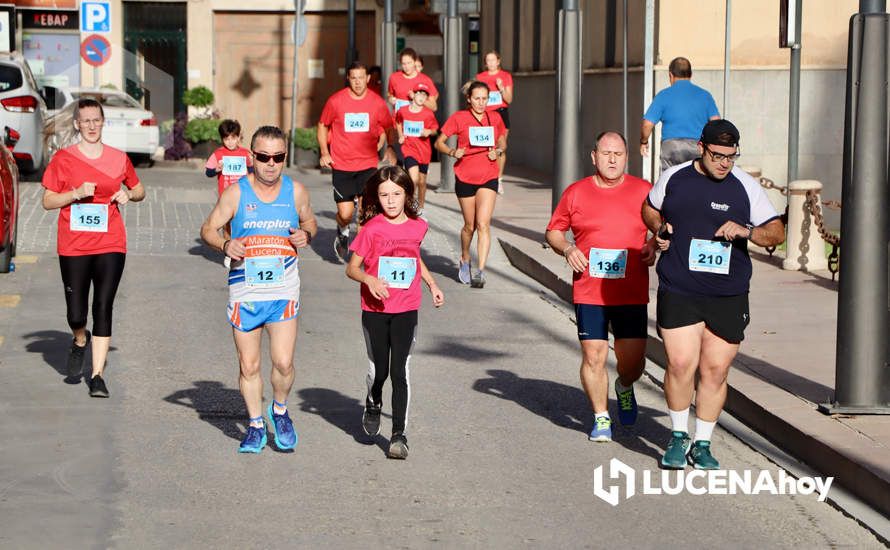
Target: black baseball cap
(715,131)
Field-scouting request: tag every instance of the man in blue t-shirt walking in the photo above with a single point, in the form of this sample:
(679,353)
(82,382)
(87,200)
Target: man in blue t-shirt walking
(683,109)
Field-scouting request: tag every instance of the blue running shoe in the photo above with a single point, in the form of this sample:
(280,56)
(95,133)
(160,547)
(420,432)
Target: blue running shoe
(627,405)
(675,455)
(602,429)
(282,429)
(701,458)
(254,441)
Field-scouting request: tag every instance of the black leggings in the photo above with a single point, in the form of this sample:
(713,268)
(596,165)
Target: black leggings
(104,271)
(390,339)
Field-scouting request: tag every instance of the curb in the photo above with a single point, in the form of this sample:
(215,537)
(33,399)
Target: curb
(827,459)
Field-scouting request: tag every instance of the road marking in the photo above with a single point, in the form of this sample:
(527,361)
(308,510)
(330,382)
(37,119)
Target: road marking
(26,259)
(10,300)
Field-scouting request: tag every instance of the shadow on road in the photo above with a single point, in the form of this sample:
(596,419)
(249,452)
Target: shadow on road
(206,252)
(568,407)
(457,350)
(215,404)
(54,346)
(341,411)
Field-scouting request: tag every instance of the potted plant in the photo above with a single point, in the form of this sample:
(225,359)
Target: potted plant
(306,147)
(202,131)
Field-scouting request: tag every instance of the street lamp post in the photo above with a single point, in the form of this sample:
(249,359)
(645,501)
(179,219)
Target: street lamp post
(568,106)
(452,87)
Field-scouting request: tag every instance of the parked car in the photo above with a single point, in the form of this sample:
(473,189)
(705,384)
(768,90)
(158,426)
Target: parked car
(9,200)
(128,126)
(22,110)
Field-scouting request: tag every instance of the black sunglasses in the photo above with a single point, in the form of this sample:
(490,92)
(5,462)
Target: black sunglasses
(263,157)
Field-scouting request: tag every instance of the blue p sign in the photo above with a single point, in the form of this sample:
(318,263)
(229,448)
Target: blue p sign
(95,17)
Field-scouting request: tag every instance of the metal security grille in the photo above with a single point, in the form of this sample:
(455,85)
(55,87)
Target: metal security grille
(155,66)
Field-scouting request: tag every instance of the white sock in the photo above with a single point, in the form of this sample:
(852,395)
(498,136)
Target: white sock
(680,420)
(621,387)
(344,230)
(602,415)
(703,429)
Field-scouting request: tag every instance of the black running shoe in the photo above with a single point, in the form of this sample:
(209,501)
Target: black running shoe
(478,279)
(75,358)
(398,447)
(371,420)
(97,387)
(341,246)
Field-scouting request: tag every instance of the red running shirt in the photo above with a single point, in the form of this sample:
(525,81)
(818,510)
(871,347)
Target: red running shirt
(379,237)
(355,126)
(492,81)
(400,85)
(68,170)
(607,218)
(417,147)
(474,167)
(216,161)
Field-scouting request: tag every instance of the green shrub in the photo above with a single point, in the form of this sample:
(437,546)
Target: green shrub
(202,129)
(199,96)
(306,138)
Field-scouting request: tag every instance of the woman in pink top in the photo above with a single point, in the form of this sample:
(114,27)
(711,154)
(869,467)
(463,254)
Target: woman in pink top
(386,261)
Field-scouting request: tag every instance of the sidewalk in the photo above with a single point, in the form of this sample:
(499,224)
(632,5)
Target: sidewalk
(786,365)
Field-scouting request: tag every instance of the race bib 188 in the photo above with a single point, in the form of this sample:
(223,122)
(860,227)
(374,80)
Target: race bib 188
(709,256)
(357,122)
(412,128)
(482,136)
(89,217)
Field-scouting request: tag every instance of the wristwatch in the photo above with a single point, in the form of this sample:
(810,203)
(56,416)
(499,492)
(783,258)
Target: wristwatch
(750,231)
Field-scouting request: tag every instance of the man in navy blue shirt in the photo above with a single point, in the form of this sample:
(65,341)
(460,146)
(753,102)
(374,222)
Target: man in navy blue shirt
(683,109)
(704,212)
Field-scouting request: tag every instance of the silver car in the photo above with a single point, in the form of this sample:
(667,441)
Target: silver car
(128,126)
(22,109)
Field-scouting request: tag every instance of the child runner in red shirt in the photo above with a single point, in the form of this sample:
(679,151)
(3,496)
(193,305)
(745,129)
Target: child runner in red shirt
(231,161)
(415,124)
(386,261)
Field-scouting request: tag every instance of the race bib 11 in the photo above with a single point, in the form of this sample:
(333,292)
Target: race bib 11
(397,272)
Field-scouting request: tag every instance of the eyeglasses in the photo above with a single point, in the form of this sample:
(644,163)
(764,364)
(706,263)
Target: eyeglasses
(263,157)
(720,157)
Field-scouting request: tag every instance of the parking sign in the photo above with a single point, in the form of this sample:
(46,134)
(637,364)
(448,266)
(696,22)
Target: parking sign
(95,17)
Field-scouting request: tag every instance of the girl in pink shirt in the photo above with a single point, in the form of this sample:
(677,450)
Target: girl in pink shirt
(386,261)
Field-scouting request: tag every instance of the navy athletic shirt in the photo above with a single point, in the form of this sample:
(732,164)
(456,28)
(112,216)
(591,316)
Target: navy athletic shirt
(696,207)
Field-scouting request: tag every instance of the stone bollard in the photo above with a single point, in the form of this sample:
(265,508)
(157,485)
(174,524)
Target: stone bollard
(804,247)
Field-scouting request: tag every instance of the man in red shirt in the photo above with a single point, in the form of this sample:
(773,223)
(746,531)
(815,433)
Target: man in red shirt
(610,259)
(355,123)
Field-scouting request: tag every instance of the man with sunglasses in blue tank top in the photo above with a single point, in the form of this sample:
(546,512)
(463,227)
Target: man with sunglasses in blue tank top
(271,219)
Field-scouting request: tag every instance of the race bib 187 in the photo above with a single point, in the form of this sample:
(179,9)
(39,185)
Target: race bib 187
(234,166)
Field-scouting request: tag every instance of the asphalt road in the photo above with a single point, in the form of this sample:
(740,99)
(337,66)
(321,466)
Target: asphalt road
(498,450)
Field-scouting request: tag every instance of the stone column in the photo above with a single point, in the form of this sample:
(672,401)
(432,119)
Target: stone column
(805,249)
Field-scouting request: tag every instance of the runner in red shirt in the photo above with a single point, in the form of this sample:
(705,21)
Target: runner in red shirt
(480,141)
(354,125)
(500,84)
(415,124)
(89,182)
(231,161)
(610,259)
(402,83)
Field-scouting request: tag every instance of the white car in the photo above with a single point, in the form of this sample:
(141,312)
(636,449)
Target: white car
(128,126)
(22,108)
